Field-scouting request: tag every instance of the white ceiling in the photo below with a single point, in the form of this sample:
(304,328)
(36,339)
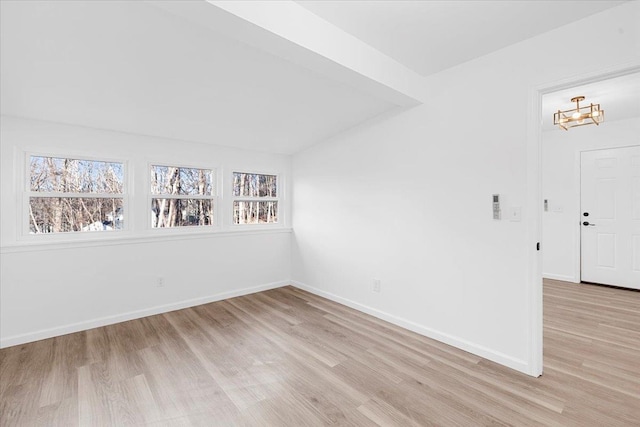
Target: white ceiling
(618,97)
(430,36)
(132,67)
(148,68)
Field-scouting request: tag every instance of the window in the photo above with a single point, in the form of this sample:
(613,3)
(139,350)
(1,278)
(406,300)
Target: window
(255,198)
(181,197)
(73,195)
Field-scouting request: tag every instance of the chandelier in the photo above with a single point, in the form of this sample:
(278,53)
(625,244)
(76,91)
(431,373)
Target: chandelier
(579,116)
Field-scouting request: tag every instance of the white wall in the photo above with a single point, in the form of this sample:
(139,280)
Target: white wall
(407,199)
(55,288)
(561,187)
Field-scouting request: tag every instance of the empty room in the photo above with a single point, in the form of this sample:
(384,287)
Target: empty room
(314,213)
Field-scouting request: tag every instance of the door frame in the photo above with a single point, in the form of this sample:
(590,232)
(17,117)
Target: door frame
(534,204)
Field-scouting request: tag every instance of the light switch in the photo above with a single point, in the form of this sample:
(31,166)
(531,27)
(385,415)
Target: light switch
(515,213)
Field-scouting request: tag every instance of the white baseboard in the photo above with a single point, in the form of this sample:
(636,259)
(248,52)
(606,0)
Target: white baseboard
(560,277)
(494,356)
(471,347)
(123,317)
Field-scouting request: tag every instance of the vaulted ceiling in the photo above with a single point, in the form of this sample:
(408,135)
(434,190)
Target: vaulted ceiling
(430,36)
(132,67)
(271,76)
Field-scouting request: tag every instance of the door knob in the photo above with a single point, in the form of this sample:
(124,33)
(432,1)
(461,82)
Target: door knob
(585,213)
(587,223)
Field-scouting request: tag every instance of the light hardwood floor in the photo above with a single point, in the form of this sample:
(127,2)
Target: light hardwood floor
(288,358)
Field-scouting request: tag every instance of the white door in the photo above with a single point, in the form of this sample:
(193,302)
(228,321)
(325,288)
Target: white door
(610,216)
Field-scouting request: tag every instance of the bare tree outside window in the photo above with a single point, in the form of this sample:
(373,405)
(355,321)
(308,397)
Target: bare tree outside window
(255,198)
(68,195)
(181,196)
(73,195)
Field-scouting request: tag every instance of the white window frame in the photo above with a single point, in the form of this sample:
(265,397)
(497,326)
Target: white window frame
(24,221)
(214,197)
(279,198)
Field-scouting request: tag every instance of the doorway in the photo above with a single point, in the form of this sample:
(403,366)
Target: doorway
(557,208)
(567,256)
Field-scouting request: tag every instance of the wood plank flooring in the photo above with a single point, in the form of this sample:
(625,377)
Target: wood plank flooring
(288,358)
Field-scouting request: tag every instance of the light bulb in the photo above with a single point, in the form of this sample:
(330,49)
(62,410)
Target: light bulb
(576,115)
(596,113)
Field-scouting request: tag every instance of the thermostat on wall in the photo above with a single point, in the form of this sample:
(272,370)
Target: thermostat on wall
(496,206)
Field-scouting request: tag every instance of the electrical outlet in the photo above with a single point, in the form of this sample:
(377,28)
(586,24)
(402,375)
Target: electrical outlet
(160,282)
(376,285)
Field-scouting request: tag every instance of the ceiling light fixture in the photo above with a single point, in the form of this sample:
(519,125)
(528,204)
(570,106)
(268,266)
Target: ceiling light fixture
(591,115)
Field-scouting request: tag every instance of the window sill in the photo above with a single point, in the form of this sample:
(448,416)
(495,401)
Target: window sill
(132,240)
